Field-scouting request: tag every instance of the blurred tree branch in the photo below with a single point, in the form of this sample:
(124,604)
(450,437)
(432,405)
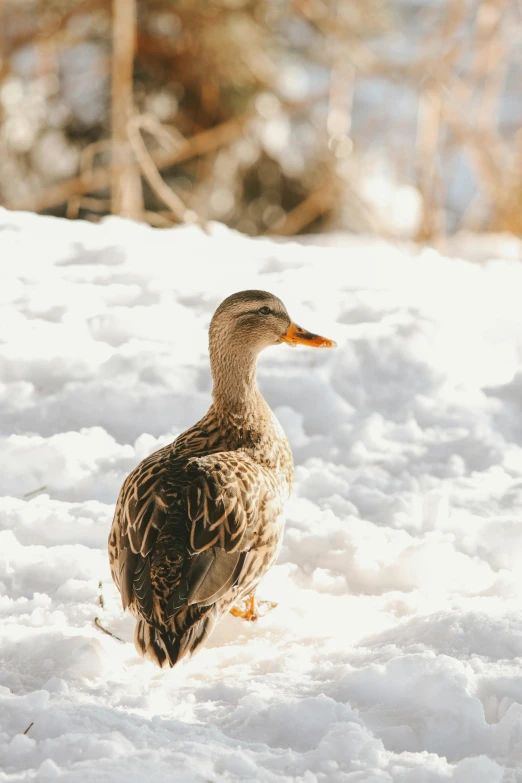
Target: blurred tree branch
(127,199)
(99,178)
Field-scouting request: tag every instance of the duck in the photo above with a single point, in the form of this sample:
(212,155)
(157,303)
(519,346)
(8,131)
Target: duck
(199,523)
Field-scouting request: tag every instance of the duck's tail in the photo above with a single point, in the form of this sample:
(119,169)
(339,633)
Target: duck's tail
(165,647)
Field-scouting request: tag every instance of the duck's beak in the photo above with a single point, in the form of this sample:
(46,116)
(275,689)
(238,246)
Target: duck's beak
(296,334)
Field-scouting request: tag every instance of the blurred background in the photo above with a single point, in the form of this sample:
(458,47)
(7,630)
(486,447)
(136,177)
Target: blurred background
(392,118)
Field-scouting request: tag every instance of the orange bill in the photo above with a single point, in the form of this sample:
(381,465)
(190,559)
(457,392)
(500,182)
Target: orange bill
(296,334)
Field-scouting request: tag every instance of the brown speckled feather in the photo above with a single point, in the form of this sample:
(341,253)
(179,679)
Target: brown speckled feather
(185,521)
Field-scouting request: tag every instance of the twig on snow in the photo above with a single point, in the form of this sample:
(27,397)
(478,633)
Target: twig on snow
(105,630)
(101,600)
(35,492)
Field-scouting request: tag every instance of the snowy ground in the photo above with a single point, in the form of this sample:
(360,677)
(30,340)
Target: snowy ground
(395,653)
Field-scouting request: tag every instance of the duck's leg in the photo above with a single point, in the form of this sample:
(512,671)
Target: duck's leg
(253,609)
(250,610)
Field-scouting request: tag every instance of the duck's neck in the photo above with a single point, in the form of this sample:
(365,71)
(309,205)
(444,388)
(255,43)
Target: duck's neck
(235,389)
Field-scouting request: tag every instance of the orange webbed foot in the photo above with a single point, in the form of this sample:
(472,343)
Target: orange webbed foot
(253,609)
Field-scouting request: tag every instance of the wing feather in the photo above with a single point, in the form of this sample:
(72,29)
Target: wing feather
(140,515)
(222,502)
(215,516)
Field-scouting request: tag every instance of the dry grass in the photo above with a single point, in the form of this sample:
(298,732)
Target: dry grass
(459,77)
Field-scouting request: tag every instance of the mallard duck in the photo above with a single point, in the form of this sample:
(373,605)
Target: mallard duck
(199,523)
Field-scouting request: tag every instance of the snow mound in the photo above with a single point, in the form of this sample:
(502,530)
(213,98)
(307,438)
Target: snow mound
(395,652)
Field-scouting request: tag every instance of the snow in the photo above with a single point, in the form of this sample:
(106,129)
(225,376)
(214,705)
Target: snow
(395,652)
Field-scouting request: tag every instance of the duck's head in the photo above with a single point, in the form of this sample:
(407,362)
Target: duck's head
(253,320)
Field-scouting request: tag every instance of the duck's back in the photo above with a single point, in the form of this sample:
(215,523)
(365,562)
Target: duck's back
(197,524)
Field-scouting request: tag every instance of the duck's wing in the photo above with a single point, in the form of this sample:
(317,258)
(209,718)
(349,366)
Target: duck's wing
(139,516)
(222,500)
(176,543)
(222,508)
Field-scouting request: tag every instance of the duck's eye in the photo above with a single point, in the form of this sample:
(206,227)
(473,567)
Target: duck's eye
(264,311)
